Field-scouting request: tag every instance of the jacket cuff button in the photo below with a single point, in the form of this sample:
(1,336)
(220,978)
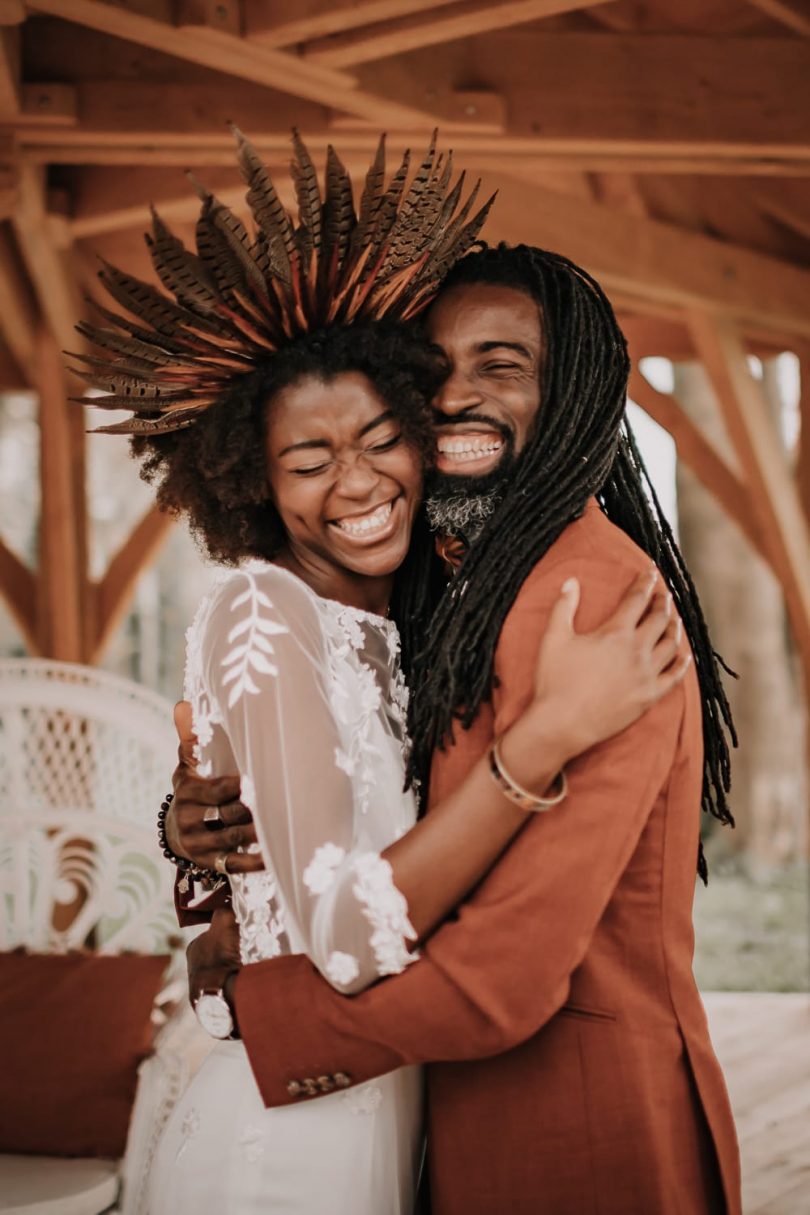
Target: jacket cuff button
(295,1088)
(342,1080)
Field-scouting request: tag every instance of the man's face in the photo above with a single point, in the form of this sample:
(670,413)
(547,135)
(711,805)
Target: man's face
(493,343)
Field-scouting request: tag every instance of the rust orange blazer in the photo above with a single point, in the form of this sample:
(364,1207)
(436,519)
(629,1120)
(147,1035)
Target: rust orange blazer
(570,1068)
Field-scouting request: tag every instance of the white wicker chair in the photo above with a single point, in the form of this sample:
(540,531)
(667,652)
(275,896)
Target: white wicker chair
(84,762)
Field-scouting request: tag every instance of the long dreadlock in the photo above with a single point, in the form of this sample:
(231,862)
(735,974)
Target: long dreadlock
(580,447)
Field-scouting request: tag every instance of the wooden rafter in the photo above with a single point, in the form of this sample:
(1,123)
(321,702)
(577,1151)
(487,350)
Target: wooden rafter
(700,455)
(10,94)
(413,33)
(55,287)
(795,14)
(803,460)
(18,587)
(18,310)
(116,588)
(236,56)
(773,493)
(269,21)
(656,261)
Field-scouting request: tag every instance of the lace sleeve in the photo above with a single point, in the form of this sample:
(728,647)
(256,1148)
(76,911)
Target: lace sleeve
(265,666)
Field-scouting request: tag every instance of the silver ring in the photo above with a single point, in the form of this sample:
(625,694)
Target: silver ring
(221,863)
(212,819)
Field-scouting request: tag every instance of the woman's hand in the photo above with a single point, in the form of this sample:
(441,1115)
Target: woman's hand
(590,686)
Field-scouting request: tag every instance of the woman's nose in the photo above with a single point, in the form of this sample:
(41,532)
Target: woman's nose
(358,476)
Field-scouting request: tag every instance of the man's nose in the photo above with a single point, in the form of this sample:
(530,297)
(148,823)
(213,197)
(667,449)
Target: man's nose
(456,394)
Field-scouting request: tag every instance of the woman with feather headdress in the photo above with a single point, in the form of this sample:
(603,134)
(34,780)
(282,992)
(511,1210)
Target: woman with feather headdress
(284,408)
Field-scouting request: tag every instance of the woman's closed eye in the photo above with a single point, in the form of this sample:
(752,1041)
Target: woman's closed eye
(386,444)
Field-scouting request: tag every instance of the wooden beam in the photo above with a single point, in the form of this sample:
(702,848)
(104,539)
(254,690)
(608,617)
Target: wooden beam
(61,567)
(209,14)
(773,493)
(785,203)
(55,288)
(803,461)
(795,14)
(652,260)
(48,105)
(19,318)
(270,23)
(116,588)
(467,20)
(235,56)
(12,12)
(19,589)
(700,456)
(10,97)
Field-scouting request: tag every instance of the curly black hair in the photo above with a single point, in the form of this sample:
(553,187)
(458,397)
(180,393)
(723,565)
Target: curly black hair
(215,472)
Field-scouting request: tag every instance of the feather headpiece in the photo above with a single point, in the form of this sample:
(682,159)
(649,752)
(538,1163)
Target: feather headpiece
(244,295)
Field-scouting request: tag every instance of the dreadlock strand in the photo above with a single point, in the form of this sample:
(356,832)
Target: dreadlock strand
(582,449)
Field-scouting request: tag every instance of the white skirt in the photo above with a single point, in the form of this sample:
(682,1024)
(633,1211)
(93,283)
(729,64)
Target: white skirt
(351,1153)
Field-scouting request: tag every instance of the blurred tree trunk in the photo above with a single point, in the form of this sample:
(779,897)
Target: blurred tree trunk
(745,611)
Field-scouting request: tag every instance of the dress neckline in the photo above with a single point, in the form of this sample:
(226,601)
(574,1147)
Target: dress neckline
(384,622)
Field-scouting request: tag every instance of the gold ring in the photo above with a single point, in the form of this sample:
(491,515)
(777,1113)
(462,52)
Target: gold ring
(211,814)
(221,863)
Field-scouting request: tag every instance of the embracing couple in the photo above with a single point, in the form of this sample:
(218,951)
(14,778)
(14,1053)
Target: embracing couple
(452,721)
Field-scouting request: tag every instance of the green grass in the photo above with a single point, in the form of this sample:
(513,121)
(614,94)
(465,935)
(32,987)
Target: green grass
(752,932)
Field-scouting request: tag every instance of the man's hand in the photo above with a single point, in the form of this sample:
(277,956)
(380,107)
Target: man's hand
(187,832)
(214,954)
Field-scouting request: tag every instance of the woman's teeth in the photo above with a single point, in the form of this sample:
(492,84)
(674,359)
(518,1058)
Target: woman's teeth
(366,525)
(461,451)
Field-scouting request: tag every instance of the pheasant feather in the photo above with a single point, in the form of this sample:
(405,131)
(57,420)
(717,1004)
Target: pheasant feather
(232,302)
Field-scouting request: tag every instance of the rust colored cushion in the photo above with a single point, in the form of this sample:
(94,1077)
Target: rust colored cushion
(73,1029)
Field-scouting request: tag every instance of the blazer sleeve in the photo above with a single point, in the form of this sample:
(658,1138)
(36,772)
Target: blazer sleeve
(494,974)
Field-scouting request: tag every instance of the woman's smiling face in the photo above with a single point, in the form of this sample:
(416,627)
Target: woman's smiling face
(342,476)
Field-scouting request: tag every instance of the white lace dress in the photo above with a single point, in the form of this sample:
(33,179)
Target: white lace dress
(304,698)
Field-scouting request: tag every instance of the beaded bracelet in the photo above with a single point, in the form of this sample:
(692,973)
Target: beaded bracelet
(190,871)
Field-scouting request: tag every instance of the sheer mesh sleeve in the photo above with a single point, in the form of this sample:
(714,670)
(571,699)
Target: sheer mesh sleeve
(266,666)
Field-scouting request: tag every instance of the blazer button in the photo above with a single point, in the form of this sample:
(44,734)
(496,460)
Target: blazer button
(310,1086)
(295,1088)
(326,1084)
(342,1080)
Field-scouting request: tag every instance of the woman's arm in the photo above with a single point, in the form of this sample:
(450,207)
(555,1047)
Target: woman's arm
(588,687)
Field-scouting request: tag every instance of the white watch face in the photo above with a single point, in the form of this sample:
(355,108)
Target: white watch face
(214,1015)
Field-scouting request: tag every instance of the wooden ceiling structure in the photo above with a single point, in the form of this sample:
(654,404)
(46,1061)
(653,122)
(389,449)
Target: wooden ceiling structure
(663,144)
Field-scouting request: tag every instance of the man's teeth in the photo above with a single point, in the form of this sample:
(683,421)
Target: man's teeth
(362,525)
(462,450)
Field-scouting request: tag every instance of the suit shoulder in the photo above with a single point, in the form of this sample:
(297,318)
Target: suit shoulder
(592,549)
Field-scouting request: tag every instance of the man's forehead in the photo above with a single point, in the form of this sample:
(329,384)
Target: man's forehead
(483,313)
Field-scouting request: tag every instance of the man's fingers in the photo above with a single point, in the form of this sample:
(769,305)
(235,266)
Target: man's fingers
(201,791)
(245,862)
(634,602)
(183,722)
(232,814)
(667,648)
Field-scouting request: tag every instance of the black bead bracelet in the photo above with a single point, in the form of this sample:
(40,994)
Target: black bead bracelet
(191,872)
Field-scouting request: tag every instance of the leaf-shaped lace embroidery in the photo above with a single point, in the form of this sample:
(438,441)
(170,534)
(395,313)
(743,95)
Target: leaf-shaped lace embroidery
(252,651)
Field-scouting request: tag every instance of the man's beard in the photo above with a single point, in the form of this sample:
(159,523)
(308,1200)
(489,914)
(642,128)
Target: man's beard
(460,506)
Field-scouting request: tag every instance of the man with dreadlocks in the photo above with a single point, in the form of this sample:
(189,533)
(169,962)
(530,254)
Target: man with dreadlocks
(571,1067)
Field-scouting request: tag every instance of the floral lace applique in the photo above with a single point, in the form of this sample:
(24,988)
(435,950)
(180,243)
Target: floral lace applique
(342,968)
(365,1099)
(261,918)
(386,910)
(251,1143)
(320,872)
(252,652)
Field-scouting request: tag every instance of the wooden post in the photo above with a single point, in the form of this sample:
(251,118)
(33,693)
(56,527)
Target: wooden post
(62,543)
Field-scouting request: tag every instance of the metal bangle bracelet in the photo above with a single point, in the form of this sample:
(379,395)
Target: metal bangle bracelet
(515,792)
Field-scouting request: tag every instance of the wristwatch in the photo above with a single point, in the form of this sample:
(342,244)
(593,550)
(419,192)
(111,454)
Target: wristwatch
(214,1013)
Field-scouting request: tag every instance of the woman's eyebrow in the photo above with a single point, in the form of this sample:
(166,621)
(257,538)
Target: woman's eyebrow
(378,421)
(310,443)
